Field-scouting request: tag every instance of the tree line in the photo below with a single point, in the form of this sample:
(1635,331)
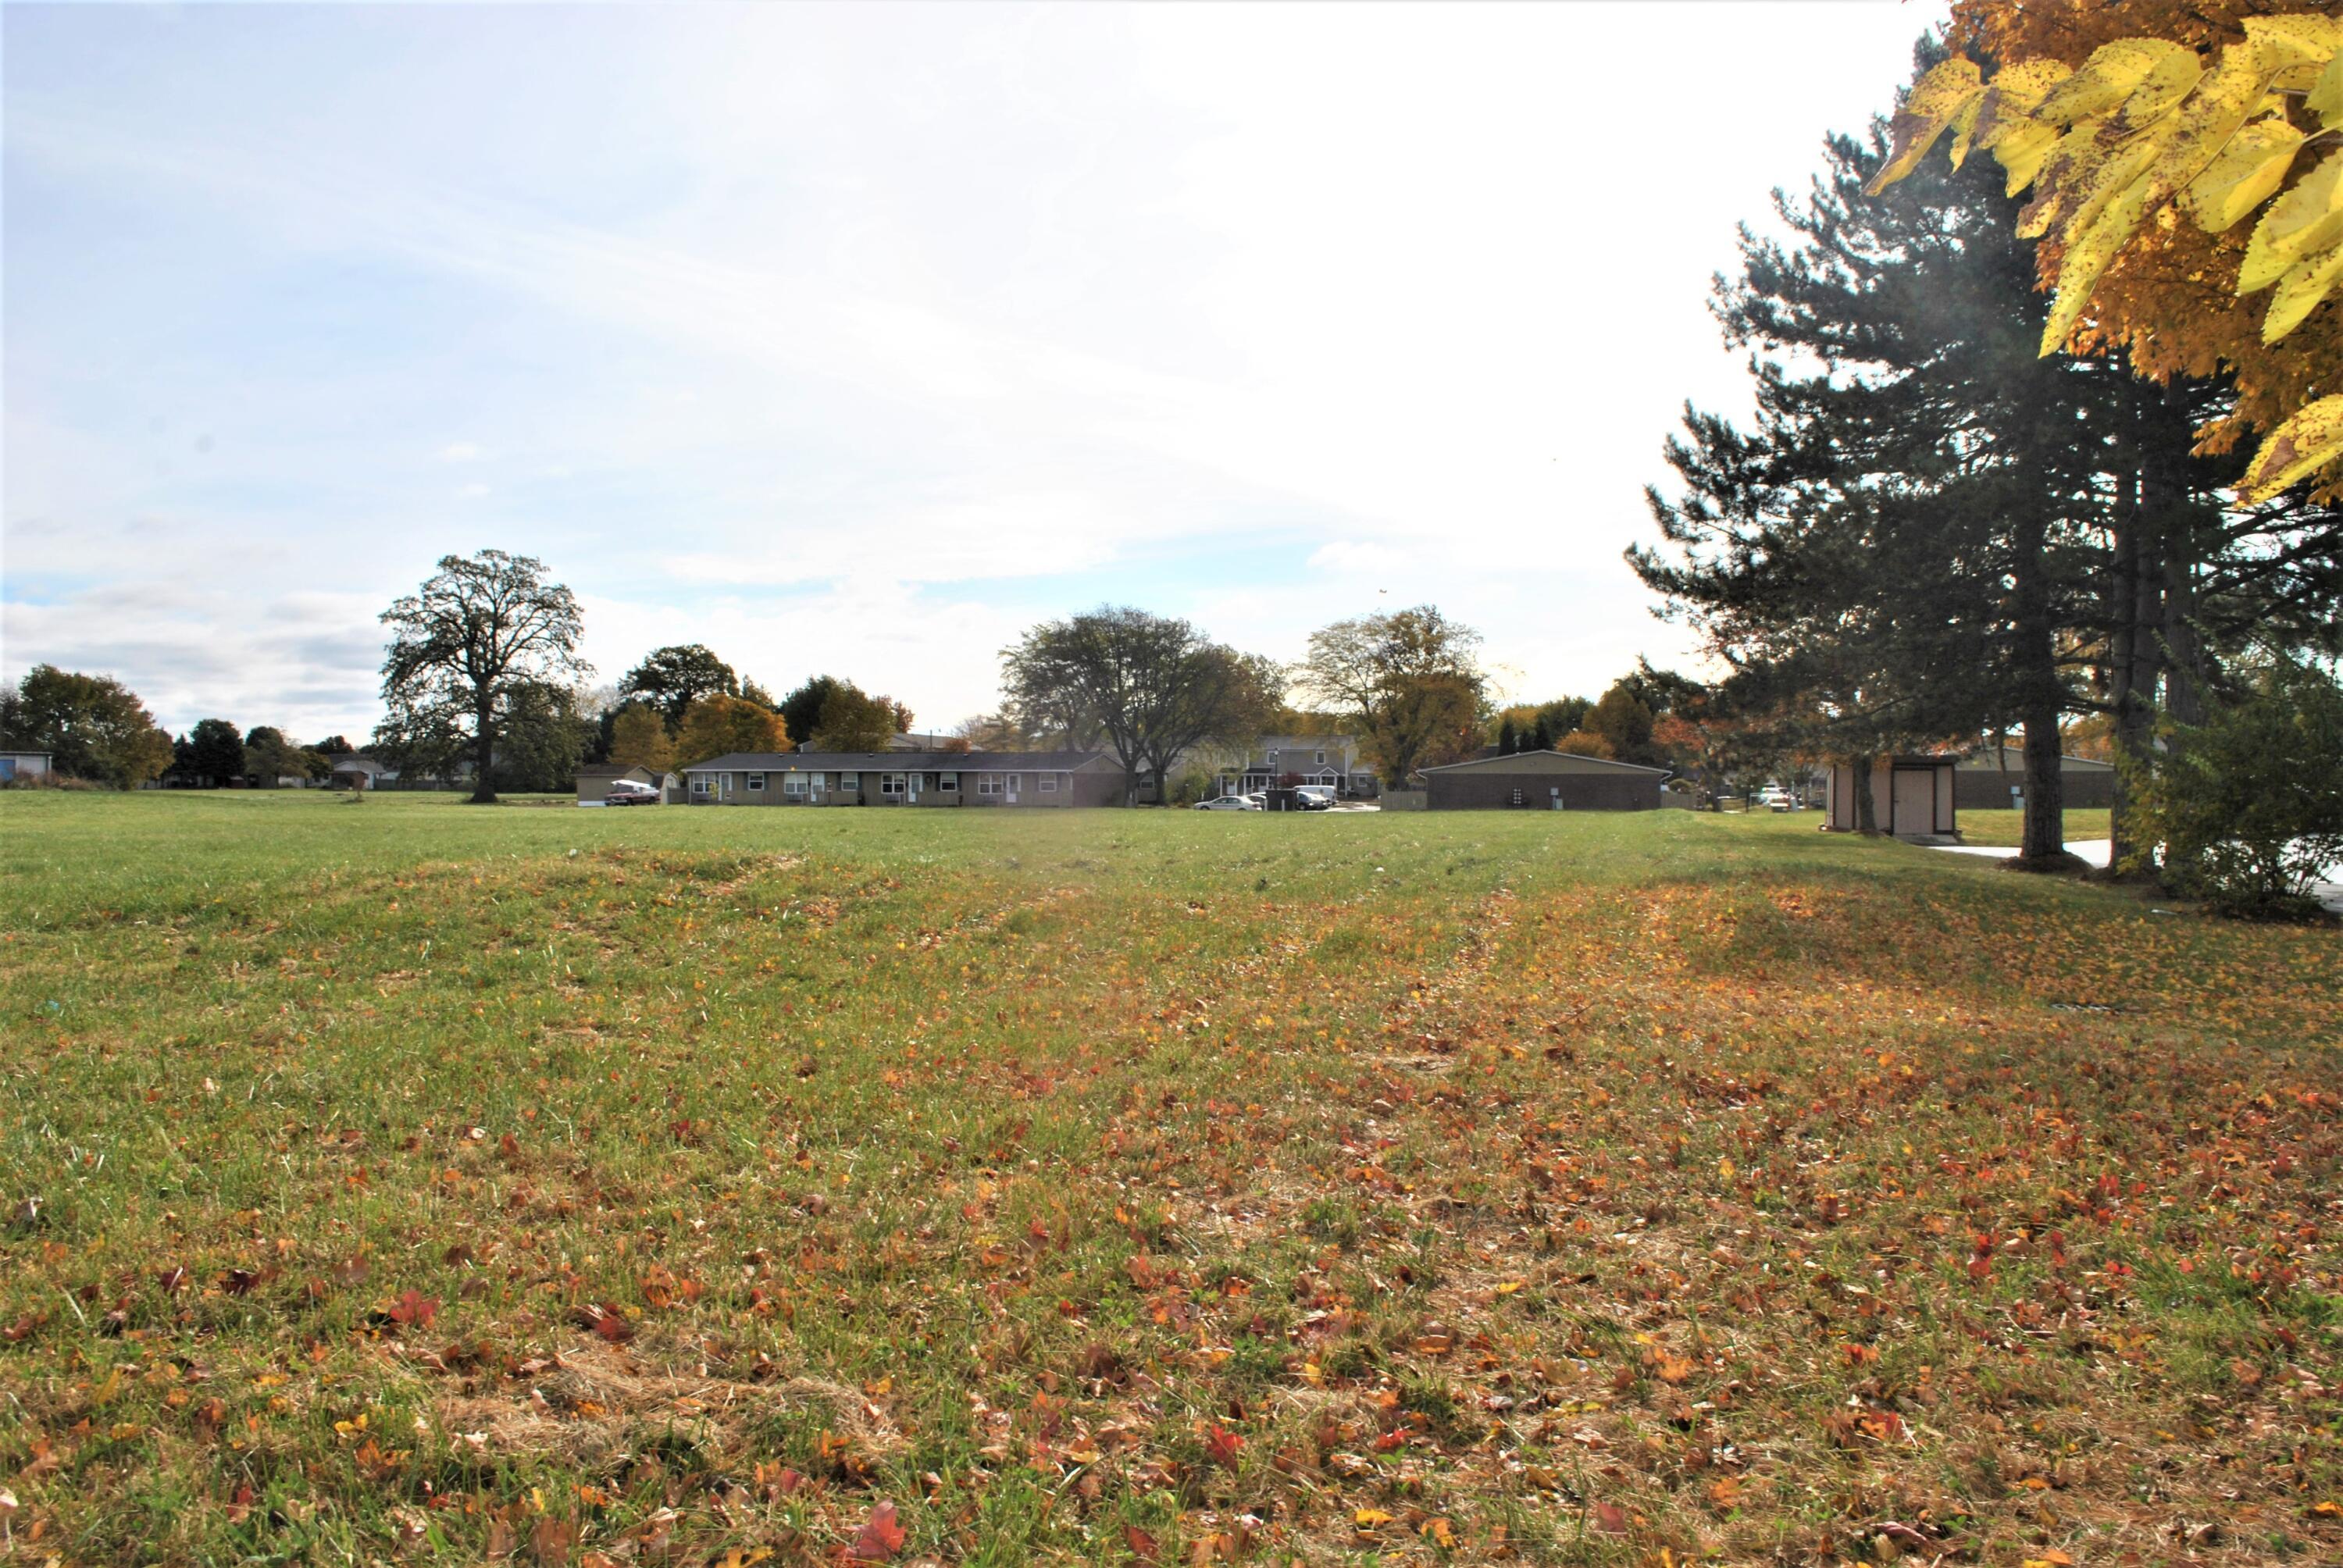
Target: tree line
(1929,532)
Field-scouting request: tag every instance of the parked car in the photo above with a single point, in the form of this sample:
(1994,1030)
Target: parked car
(1230,803)
(628,792)
(1774,798)
(1315,797)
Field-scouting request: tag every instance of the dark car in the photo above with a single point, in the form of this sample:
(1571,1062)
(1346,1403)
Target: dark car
(627,792)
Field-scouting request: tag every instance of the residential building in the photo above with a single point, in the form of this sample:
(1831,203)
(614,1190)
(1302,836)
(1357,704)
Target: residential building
(593,780)
(357,771)
(1542,781)
(1023,779)
(1332,761)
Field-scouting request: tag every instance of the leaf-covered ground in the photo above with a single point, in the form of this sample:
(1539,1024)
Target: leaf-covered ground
(407,1181)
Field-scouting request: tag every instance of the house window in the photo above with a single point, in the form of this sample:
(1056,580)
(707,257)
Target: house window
(846,780)
(756,780)
(988,784)
(890,784)
(1321,759)
(1048,783)
(948,783)
(700,783)
(791,784)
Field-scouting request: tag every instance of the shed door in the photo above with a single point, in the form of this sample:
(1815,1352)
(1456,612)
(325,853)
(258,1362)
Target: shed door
(1914,807)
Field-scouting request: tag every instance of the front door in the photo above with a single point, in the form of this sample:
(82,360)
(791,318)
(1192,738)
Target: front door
(1013,782)
(1913,804)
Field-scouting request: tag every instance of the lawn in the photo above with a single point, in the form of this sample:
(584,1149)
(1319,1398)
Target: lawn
(2009,827)
(402,1180)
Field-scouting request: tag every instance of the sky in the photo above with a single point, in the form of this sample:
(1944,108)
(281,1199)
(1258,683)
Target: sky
(857,340)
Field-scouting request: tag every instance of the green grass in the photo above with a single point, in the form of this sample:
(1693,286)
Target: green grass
(2009,827)
(1102,1185)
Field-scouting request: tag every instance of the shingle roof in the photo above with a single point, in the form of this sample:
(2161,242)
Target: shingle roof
(1490,764)
(898,763)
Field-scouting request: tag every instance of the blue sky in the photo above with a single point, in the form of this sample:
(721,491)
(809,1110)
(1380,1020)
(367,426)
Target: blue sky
(857,338)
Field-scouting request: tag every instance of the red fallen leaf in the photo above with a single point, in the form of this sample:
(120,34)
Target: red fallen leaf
(605,1320)
(172,1279)
(880,1538)
(1221,1445)
(240,1505)
(508,1147)
(239,1282)
(1610,1518)
(1142,1545)
(415,1310)
(21,1329)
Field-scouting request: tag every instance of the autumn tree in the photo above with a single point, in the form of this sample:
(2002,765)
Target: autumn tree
(717,725)
(854,720)
(92,726)
(1624,721)
(1151,686)
(480,628)
(672,679)
(638,739)
(1409,680)
(2186,191)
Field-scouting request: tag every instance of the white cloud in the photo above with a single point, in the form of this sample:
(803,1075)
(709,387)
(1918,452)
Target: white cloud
(795,326)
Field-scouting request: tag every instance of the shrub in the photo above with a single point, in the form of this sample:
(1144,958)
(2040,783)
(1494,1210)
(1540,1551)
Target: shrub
(2248,806)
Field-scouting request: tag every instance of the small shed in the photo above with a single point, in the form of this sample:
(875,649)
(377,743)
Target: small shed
(595,781)
(1912,797)
(22,764)
(1542,781)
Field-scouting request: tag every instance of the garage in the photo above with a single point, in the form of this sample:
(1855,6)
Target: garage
(1542,781)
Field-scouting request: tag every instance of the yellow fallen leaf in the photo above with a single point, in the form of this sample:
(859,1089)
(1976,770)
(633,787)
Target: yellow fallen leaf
(1369,1518)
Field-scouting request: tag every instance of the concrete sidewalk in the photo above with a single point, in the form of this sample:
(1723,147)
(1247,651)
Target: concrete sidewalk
(2328,891)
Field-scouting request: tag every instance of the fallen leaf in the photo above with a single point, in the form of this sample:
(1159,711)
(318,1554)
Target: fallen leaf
(880,1538)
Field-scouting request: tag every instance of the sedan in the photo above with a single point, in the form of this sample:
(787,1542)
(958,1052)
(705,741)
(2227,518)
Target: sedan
(627,792)
(1230,803)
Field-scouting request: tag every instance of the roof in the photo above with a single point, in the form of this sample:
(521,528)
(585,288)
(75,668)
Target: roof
(609,770)
(2013,759)
(24,751)
(1499,764)
(898,762)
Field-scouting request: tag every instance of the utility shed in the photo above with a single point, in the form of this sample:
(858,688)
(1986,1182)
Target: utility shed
(1912,797)
(594,781)
(1542,781)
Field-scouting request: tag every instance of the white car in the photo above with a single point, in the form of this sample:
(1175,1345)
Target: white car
(1230,803)
(1776,798)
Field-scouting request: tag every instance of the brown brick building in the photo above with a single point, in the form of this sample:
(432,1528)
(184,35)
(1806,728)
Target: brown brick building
(1542,781)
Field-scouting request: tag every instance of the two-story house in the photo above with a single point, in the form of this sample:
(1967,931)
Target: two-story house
(1331,760)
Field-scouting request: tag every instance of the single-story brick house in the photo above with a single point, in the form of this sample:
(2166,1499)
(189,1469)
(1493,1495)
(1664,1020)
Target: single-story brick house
(1542,781)
(1986,782)
(1912,797)
(593,780)
(907,779)
(24,764)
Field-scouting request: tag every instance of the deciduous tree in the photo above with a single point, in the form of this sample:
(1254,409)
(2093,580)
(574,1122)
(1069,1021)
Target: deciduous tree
(479,630)
(92,726)
(1410,679)
(1150,686)
(215,753)
(638,739)
(718,725)
(672,679)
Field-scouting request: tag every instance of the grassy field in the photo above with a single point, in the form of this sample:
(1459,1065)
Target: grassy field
(2009,827)
(404,1180)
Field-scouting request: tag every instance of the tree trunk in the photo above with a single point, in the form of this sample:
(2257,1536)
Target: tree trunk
(2044,842)
(484,752)
(1866,814)
(2132,657)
